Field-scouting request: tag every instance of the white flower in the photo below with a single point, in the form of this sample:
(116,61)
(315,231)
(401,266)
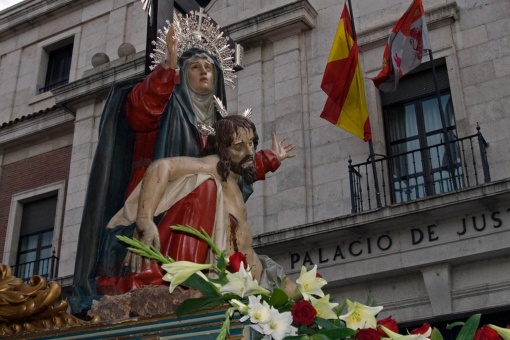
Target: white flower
(503,332)
(279,325)
(309,284)
(243,284)
(241,307)
(324,308)
(257,312)
(180,271)
(395,336)
(360,316)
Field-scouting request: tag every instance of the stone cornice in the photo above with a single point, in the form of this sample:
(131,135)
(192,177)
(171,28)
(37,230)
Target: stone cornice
(96,83)
(446,205)
(30,13)
(30,131)
(274,24)
(437,17)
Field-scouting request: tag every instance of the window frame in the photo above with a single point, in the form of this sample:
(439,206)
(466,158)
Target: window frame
(417,100)
(52,51)
(12,238)
(71,36)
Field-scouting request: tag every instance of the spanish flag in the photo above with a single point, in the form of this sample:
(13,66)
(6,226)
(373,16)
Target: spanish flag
(346,106)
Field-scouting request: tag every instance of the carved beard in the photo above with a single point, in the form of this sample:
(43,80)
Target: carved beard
(249,174)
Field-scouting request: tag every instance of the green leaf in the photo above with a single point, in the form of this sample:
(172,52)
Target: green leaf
(467,332)
(222,264)
(455,324)
(436,335)
(320,336)
(338,333)
(278,298)
(326,324)
(198,283)
(338,310)
(297,337)
(194,305)
(225,328)
(203,235)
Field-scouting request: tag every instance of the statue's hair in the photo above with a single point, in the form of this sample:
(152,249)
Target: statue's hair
(219,143)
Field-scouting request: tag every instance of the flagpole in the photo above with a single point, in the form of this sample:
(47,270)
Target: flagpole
(370,144)
(449,157)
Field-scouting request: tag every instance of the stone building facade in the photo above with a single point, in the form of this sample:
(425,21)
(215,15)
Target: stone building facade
(434,250)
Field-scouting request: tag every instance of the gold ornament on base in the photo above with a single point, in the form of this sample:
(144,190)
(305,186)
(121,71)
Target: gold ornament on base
(31,307)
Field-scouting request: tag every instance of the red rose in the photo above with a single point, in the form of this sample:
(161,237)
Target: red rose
(486,333)
(303,313)
(421,330)
(389,323)
(234,262)
(319,276)
(367,334)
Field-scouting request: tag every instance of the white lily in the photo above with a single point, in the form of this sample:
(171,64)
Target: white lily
(243,284)
(503,332)
(180,271)
(279,325)
(309,284)
(241,307)
(324,308)
(395,336)
(360,316)
(257,312)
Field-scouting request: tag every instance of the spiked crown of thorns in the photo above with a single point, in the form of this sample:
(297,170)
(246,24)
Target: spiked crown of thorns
(208,130)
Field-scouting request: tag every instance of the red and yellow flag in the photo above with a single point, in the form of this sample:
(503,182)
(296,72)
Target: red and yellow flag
(346,106)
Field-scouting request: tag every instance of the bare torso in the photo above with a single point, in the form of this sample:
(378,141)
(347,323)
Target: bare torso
(239,235)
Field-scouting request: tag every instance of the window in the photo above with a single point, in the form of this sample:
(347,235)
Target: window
(59,66)
(32,240)
(421,163)
(35,250)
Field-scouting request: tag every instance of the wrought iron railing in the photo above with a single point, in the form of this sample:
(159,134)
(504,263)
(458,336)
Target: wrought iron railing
(441,168)
(46,268)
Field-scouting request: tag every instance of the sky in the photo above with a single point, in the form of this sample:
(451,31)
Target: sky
(8,3)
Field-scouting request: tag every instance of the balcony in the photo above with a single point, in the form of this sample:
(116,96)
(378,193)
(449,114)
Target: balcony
(47,268)
(413,175)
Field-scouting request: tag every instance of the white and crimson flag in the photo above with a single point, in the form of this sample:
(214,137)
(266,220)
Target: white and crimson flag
(342,81)
(404,50)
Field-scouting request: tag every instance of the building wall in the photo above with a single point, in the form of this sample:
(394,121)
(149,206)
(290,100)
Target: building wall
(282,77)
(26,31)
(30,27)
(26,175)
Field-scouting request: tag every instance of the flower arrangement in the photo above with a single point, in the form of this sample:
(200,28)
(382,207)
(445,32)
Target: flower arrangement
(307,314)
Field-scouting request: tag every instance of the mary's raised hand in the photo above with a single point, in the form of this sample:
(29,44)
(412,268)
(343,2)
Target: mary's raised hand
(172,46)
